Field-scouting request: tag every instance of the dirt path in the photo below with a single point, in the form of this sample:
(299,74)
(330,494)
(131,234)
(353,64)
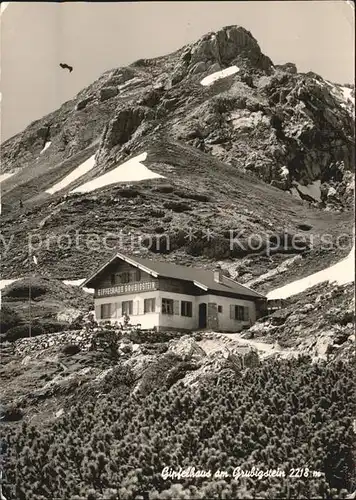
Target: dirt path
(264,349)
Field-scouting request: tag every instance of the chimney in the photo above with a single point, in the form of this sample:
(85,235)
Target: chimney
(218,274)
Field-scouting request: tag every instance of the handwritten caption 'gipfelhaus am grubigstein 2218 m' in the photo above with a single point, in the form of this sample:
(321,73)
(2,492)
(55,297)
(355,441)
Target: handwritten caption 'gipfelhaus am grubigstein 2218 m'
(238,473)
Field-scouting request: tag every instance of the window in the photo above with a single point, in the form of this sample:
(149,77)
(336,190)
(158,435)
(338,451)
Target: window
(105,311)
(239,313)
(125,277)
(167,306)
(220,309)
(127,307)
(186,308)
(128,276)
(150,305)
(112,279)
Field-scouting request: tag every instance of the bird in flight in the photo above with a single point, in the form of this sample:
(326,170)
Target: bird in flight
(66,66)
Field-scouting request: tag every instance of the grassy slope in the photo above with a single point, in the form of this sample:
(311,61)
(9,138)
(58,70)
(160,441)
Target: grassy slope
(236,201)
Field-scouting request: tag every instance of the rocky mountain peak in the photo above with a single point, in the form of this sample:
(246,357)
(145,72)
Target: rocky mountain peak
(219,49)
(225,47)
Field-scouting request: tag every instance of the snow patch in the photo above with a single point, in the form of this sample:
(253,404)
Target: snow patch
(5,176)
(341,93)
(131,170)
(73,176)
(78,283)
(341,273)
(46,146)
(4,283)
(210,79)
(74,282)
(347,94)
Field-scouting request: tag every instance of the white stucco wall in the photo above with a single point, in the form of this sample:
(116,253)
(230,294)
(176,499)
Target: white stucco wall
(157,319)
(176,320)
(147,321)
(225,322)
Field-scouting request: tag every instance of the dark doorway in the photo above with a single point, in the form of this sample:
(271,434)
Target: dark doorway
(202,315)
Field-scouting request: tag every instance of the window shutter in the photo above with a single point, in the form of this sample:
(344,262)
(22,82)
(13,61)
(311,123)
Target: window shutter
(97,312)
(176,307)
(135,308)
(139,307)
(118,309)
(246,313)
(232,311)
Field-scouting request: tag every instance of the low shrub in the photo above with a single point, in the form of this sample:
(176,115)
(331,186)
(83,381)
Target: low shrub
(177,206)
(126,438)
(164,188)
(23,289)
(54,326)
(9,318)
(154,212)
(192,196)
(129,193)
(23,331)
(71,349)
(167,243)
(11,413)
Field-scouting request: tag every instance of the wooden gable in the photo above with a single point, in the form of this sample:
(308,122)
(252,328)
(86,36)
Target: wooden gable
(120,278)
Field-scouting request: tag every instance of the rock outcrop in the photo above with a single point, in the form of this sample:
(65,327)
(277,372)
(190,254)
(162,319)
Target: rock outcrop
(121,129)
(215,51)
(186,347)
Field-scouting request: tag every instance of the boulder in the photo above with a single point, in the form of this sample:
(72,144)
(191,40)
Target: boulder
(107,93)
(151,98)
(68,315)
(306,308)
(287,67)
(82,104)
(186,346)
(241,357)
(225,359)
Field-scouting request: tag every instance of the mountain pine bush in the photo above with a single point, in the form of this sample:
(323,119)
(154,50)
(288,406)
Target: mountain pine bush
(113,444)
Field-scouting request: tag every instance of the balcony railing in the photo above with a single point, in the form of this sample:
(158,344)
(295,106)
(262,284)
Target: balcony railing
(126,288)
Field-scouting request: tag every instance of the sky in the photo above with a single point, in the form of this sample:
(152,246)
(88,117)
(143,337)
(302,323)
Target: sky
(94,37)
